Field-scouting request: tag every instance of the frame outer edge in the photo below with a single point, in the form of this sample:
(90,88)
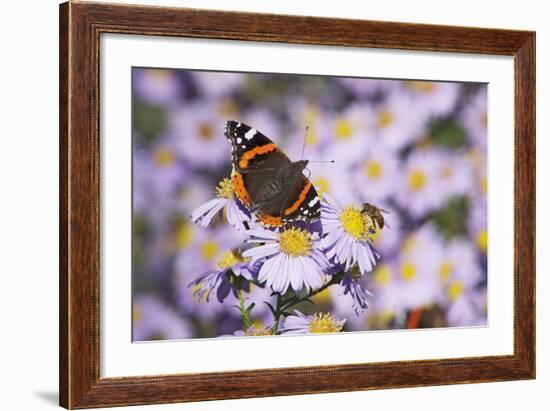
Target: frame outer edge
(64,104)
(525,180)
(80,382)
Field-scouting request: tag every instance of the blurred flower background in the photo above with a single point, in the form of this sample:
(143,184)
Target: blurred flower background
(414,148)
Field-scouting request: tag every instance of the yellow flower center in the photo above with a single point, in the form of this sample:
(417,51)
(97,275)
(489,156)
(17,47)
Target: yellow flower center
(184,235)
(209,250)
(225,188)
(373,169)
(164,157)
(322,185)
(228,108)
(455,290)
(206,131)
(410,244)
(385,118)
(417,180)
(382,275)
(158,75)
(421,86)
(483,185)
(137,314)
(324,323)
(355,223)
(295,242)
(255,332)
(481,240)
(408,271)
(343,129)
(229,259)
(445,270)
(312,138)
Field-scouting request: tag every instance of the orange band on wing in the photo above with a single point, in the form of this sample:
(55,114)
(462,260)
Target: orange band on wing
(256,151)
(300,200)
(240,189)
(270,220)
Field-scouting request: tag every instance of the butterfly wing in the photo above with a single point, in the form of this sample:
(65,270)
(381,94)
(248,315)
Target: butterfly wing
(256,161)
(255,158)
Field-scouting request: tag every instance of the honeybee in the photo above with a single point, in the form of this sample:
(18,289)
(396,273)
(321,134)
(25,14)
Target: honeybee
(375,215)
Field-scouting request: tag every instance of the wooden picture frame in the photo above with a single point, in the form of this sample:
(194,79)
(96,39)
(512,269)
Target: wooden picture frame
(80,27)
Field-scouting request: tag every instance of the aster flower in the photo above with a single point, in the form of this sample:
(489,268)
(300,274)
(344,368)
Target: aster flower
(231,262)
(254,331)
(365,87)
(351,285)
(375,174)
(155,320)
(198,130)
(156,86)
(432,98)
(333,180)
(474,119)
(396,123)
(217,84)
(347,133)
(348,234)
(289,258)
(420,188)
(318,323)
(236,213)
(457,173)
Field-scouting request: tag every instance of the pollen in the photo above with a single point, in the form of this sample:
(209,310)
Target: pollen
(385,118)
(355,223)
(455,290)
(322,186)
(343,129)
(225,188)
(445,270)
(382,275)
(373,169)
(408,271)
(255,332)
(205,131)
(417,180)
(164,157)
(209,250)
(229,259)
(295,242)
(324,323)
(184,235)
(421,86)
(481,240)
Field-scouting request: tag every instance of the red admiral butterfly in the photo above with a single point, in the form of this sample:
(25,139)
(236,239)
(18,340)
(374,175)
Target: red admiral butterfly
(266,181)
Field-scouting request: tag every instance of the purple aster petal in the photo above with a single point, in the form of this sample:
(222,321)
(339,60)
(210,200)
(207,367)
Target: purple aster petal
(203,214)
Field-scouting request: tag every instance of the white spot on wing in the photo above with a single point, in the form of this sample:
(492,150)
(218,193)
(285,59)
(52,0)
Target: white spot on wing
(250,133)
(239,140)
(313,202)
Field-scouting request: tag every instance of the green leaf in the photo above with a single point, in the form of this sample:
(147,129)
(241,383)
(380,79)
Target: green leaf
(448,132)
(452,219)
(148,120)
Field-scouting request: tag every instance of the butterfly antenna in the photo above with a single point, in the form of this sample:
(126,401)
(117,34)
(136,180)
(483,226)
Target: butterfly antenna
(304,146)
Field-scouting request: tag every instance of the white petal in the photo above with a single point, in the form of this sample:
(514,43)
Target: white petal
(262,251)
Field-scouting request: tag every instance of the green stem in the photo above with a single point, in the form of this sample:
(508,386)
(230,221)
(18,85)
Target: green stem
(336,278)
(277,316)
(245,315)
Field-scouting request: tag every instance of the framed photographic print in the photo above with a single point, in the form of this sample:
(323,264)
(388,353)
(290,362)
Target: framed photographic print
(258,205)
